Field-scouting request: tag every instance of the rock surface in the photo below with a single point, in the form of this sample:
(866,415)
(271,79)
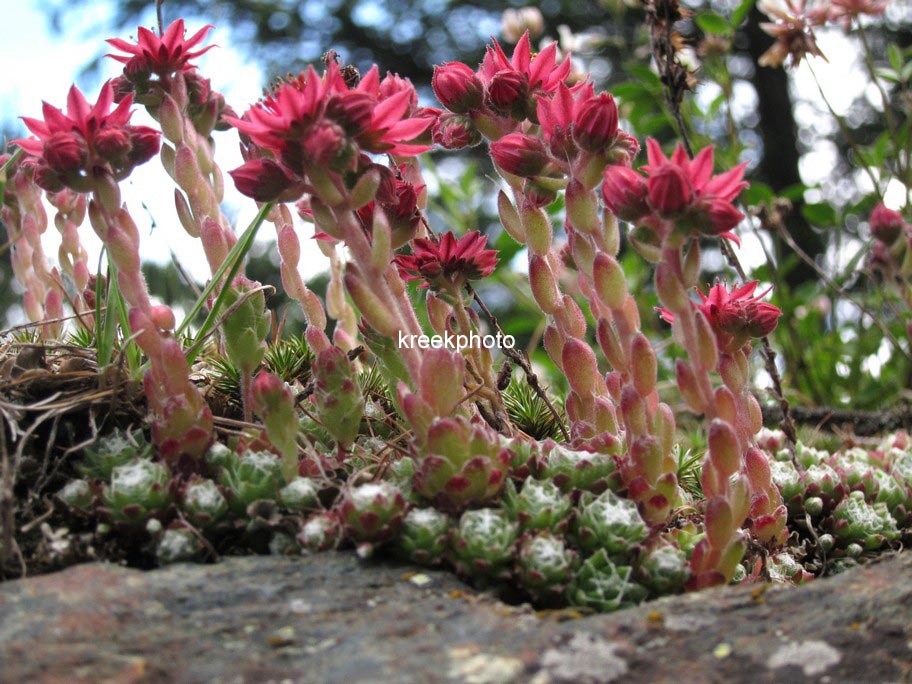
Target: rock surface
(330,618)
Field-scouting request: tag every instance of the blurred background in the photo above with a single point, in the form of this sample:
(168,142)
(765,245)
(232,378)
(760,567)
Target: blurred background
(800,130)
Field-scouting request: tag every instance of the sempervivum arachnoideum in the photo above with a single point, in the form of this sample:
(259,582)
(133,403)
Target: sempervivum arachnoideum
(138,491)
(115,449)
(822,482)
(78,496)
(786,477)
(856,521)
(609,522)
(301,494)
(483,543)
(663,569)
(545,566)
(370,513)
(604,586)
(252,476)
(424,536)
(463,463)
(572,469)
(178,544)
(540,505)
(320,532)
(203,502)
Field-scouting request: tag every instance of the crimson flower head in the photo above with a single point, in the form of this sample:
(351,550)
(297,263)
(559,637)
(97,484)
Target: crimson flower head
(314,123)
(886,224)
(162,56)
(73,147)
(450,264)
(735,315)
(685,189)
(512,83)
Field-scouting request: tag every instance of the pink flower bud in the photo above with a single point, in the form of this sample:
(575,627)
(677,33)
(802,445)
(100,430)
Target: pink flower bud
(508,92)
(625,192)
(112,143)
(669,189)
(455,132)
(64,152)
(722,216)
(763,319)
(265,180)
(323,145)
(520,154)
(144,144)
(352,111)
(886,224)
(596,123)
(457,87)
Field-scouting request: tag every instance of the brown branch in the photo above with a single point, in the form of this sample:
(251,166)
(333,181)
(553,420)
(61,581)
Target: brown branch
(863,423)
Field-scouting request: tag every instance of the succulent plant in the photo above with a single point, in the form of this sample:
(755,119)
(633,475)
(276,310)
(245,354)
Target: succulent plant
(545,566)
(137,491)
(609,522)
(869,525)
(893,492)
(252,476)
(786,476)
(784,568)
(282,544)
(321,532)
(604,586)
(204,503)
(483,543)
(540,505)
(115,449)
(371,513)
(402,472)
(77,495)
(572,469)
(463,463)
(663,569)
(808,456)
(177,545)
(301,494)
(337,395)
(424,535)
(822,481)
(218,456)
(901,465)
